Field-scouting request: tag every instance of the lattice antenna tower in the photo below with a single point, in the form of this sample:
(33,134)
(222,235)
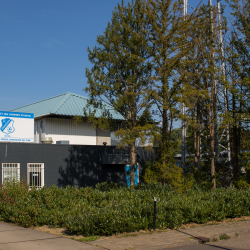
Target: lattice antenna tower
(220,95)
(224,92)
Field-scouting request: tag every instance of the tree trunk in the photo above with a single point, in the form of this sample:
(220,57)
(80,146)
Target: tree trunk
(212,148)
(212,156)
(235,143)
(132,116)
(132,164)
(195,150)
(197,139)
(212,103)
(164,126)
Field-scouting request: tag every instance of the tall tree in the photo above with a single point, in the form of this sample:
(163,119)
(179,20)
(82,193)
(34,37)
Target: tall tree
(203,77)
(239,82)
(169,46)
(120,76)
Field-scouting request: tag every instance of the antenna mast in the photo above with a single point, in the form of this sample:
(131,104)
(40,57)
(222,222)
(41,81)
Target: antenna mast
(223,68)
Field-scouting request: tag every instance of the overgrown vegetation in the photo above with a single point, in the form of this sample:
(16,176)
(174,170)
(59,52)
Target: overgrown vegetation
(105,211)
(158,62)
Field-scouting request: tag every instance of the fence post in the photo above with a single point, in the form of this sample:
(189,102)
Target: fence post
(154,222)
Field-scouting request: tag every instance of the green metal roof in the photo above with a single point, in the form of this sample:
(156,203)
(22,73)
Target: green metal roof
(67,104)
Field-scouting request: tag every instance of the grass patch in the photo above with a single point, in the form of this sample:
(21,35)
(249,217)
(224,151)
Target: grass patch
(224,237)
(215,239)
(88,239)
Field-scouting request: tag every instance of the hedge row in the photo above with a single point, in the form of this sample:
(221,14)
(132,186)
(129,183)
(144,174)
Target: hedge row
(106,211)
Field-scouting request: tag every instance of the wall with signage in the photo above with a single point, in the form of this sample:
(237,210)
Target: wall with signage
(16,127)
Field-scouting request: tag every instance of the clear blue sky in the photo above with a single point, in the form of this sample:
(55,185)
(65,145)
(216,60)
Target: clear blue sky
(43,46)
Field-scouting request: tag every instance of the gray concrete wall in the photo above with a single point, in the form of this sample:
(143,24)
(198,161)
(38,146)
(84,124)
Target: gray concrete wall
(75,165)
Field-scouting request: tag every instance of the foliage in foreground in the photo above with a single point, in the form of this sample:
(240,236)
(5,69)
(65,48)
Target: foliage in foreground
(107,211)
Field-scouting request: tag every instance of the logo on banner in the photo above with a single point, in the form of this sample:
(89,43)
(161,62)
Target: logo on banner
(7,126)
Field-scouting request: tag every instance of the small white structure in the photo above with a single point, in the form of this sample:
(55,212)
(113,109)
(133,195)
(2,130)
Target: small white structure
(54,118)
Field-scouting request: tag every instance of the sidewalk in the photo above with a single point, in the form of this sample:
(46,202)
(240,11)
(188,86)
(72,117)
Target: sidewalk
(175,238)
(18,238)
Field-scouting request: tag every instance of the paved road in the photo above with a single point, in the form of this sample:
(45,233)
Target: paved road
(238,243)
(19,238)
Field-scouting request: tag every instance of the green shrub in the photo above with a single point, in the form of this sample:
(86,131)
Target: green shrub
(104,186)
(110,209)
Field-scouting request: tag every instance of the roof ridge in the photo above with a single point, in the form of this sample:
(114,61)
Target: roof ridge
(64,100)
(61,102)
(81,96)
(68,104)
(41,101)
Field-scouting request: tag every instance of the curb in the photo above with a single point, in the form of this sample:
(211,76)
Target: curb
(202,239)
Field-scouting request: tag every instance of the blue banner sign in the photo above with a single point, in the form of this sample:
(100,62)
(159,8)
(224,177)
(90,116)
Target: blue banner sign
(16,114)
(16,127)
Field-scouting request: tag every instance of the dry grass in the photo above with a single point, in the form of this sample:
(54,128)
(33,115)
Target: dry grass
(63,232)
(191,225)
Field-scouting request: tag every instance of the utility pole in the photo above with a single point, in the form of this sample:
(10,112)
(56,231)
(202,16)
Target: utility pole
(223,68)
(184,129)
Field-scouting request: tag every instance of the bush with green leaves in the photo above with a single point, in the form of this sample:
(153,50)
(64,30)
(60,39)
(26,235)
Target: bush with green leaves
(110,209)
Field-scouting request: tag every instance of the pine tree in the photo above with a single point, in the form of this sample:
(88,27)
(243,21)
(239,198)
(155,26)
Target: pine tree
(169,45)
(120,77)
(239,86)
(203,77)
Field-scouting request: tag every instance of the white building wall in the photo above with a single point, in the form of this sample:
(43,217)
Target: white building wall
(65,130)
(39,130)
(35,132)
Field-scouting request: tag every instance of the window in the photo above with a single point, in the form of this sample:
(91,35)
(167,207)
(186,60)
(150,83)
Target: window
(35,175)
(10,171)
